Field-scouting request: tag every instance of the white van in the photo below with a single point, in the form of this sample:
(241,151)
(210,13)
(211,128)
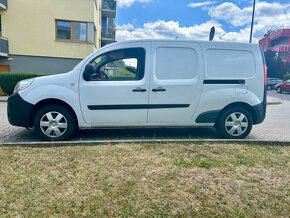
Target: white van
(149,83)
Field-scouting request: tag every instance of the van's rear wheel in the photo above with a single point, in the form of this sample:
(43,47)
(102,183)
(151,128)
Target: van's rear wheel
(54,123)
(235,123)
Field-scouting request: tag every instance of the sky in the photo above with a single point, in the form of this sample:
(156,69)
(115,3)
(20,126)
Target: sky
(192,19)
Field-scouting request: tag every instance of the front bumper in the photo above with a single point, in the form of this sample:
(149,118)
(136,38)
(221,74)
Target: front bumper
(19,111)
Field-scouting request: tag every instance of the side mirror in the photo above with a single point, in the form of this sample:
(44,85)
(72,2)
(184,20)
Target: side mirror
(89,71)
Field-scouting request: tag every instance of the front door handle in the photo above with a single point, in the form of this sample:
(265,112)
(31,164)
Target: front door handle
(159,89)
(139,90)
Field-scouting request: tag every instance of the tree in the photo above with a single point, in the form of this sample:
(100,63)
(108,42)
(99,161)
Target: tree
(269,32)
(276,67)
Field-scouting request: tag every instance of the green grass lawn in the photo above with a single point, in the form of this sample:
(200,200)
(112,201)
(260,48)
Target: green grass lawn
(151,180)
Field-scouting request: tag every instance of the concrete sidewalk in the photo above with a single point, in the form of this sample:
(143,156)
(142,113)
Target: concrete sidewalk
(270,100)
(3,98)
(273,100)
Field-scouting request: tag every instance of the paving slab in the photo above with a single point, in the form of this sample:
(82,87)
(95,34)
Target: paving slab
(276,127)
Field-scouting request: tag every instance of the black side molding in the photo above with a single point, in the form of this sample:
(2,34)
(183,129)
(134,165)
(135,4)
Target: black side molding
(207,117)
(222,81)
(136,106)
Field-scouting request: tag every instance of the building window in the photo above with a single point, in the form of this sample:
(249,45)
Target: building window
(80,31)
(284,42)
(74,31)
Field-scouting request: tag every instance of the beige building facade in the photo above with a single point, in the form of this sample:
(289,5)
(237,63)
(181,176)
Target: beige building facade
(49,36)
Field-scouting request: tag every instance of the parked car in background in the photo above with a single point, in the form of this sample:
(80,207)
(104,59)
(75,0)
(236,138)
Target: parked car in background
(283,87)
(272,82)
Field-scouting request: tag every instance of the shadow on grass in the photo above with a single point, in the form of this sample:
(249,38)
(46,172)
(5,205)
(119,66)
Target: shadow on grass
(110,136)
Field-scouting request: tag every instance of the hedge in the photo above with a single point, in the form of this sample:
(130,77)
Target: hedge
(286,77)
(8,80)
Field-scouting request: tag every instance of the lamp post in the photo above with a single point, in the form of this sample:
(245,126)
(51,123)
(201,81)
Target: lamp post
(252,24)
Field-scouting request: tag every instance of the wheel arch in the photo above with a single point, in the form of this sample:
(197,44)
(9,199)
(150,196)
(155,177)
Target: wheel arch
(242,105)
(51,101)
(278,88)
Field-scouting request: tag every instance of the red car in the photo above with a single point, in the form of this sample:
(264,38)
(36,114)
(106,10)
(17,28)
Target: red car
(283,87)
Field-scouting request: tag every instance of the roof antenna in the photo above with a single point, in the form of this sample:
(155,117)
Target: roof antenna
(211,34)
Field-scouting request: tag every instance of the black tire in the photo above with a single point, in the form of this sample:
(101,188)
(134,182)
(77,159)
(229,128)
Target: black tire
(225,116)
(55,110)
(279,89)
(269,87)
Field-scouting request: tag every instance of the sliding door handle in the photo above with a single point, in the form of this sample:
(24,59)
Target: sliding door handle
(139,90)
(159,89)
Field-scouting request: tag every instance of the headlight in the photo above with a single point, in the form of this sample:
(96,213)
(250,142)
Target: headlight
(23,84)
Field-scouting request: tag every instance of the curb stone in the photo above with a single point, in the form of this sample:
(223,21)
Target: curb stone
(112,142)
(3,98)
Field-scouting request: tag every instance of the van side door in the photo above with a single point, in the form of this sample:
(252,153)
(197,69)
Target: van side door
(176,82)
(117,94)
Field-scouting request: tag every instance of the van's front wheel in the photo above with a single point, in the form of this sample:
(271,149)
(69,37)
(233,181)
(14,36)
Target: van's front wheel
(54,123)
(235,123)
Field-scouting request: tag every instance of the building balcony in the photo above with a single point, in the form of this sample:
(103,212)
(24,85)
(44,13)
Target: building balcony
(280,33)
(109,8)
(108,13)
(3,4)
(4,47)
(280,48)
(109,5)
(108,34)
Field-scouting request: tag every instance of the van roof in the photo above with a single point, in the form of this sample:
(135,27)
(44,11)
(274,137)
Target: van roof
(179,40)
(212,43)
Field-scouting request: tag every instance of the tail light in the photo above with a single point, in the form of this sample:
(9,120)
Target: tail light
(265,74)
(265,90)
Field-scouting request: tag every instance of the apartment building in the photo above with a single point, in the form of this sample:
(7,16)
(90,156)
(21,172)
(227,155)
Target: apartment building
(108,22)
(49,36)
(278,42)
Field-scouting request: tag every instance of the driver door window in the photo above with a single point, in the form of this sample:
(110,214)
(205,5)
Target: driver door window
(119,65)
(124,69)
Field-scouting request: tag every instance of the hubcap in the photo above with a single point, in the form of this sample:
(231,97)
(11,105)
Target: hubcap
(53,124)
(236,124)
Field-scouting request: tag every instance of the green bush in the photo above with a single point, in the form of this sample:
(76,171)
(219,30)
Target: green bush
(8,80)
(286,77)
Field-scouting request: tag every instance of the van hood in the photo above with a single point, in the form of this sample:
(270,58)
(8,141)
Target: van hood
(69,80)
(54,77)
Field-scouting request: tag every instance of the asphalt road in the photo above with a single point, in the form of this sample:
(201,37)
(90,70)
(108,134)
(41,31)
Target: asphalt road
(284,96)
(276,127)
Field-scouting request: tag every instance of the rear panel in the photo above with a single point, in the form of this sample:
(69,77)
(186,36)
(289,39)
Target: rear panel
(233,73)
